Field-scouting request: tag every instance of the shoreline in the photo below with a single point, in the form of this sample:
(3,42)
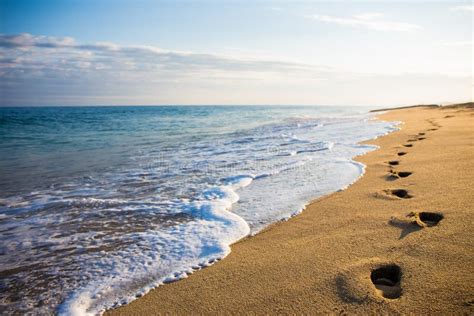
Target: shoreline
(321,260)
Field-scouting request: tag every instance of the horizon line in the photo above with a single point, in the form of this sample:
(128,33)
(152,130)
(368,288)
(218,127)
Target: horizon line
(223,105)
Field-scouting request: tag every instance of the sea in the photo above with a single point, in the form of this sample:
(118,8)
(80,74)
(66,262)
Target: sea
(98,205)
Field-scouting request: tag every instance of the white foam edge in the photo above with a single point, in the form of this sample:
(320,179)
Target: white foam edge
(215,206)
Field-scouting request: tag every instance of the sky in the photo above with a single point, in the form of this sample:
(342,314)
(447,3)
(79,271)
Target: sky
(105,52)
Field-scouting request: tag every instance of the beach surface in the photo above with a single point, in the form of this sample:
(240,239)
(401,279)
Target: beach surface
(357,251)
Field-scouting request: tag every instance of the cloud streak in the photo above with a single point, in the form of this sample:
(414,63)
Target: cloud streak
(25,50)
(371,21)
(42,70)
(52,67)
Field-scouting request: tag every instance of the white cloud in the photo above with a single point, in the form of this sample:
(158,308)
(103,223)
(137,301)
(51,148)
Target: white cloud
(463,8)
(370,21)
(31,66)
(61,71)
(28,40)
(50,52)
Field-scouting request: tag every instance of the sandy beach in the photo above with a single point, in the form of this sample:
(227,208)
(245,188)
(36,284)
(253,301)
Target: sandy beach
(367,249)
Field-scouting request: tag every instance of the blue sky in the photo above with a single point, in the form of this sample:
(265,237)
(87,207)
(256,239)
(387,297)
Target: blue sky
(235,52)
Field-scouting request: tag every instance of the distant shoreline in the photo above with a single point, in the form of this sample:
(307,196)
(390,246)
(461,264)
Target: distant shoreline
(407,107)
(458,105)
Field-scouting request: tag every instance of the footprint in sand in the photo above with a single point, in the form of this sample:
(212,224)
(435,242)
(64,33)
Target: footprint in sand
(400,193)
(371,279)
(402,153)
(416,138)
(393,163)
(415,221)
(432,122)
(408,145)
(426,219)
(394,194)
(395,175)
(386,280)
(421,134)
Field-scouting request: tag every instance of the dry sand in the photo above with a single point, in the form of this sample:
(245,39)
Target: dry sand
(321,261)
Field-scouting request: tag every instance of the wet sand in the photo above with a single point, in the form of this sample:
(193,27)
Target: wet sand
(357,251)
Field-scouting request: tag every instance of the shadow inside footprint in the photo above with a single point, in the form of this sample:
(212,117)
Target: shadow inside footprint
(401,193)
(387,281)
(404,174)
(408,145)
(426,219)
(421,134)
(421,138)
(402,153)
(393,162)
